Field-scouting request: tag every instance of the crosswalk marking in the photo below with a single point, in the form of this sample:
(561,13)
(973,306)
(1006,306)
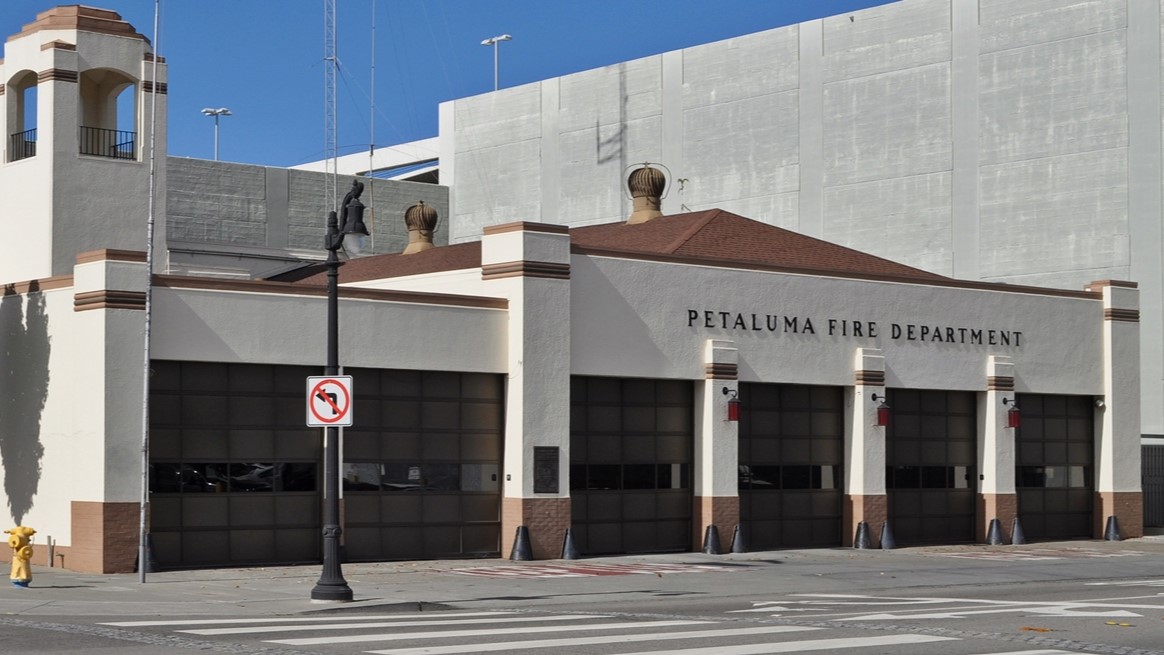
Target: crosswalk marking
(1033,652)
(803,646)
(298,619)
(353,639)
(605,639)
(1128,583)
(385,624)
(585,570)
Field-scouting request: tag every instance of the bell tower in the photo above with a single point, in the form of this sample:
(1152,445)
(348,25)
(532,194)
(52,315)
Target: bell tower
(75,99)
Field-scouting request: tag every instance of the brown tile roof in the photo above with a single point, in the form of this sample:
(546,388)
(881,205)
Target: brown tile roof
(444,258)
(720,237)
(712,237)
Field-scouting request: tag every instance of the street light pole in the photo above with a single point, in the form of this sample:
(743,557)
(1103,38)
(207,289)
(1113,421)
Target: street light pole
(331,585)
(493,41)
(221,111)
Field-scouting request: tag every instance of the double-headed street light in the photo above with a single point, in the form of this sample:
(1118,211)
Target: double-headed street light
(493,41)
(221,111)
(331,584)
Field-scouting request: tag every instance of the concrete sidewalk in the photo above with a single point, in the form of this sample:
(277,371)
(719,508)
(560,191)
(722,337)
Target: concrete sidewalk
(412,586)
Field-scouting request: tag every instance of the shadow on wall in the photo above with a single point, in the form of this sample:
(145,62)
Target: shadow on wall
(24,377)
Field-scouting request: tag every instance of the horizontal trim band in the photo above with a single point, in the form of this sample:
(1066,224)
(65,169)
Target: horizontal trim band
(524,268)
(107,254)
(347,293)
(1,85)
(525,226)
(148,87)
(723,371)
(999,383)
(1126,315)
(1099,284)
(57,75)
(871,378)
(43,284)
(109,299)
(58,45)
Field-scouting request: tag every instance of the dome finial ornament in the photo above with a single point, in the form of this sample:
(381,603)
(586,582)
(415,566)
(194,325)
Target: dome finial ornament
(421,220)
(646,186)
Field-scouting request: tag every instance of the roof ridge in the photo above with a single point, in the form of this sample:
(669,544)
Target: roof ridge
(690,233)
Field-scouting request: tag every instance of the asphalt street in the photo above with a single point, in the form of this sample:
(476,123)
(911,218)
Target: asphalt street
(1041,599)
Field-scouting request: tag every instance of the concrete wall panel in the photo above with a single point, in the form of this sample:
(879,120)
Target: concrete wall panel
(744,149)
(906,219)
(887,38)
(741,68)
(1077,220)
(887,125)
(611,95)
(216,202)
(505,187)
(594,162)
(1053,99)
(1007,24)
(495,119)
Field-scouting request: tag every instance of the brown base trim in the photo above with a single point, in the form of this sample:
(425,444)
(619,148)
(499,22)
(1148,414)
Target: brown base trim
(1126,506)
(1003,507)
(105,537)
(547,520)
(872,509)
(721,511)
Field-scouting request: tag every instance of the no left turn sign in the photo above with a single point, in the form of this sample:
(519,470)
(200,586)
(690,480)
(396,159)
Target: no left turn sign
(329,400)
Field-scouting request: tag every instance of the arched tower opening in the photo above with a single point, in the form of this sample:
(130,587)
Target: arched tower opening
(22,103)
(108,114)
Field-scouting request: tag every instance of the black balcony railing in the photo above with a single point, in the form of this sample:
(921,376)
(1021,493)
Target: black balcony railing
(108,143)
(22,145)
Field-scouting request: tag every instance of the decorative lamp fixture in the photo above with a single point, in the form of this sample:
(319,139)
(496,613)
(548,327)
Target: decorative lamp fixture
(733,404)
(882,411)
(1014,417)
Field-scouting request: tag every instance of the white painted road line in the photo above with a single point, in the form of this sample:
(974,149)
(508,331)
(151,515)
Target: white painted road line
(452,634)
(579,641)
(1128,583)
(298,619)
(1033,652)
(386,624)
(802,646)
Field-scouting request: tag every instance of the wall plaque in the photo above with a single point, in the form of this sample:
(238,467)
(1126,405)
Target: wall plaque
(545,469)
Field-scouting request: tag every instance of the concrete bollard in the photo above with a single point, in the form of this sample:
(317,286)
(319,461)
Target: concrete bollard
(1017,537)
(862,540)
(711,541)
(994,533)
(522,550)
(887,540)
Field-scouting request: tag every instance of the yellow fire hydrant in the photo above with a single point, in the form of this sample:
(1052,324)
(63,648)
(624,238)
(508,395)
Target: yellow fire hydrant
(20,541)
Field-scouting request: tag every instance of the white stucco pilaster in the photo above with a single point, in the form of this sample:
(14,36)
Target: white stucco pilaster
(109,303)
(529,263)
(864,439)
(716,438)
(1117,423)
(996,448)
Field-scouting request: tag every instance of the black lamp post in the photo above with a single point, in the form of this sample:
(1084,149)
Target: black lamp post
(331,584)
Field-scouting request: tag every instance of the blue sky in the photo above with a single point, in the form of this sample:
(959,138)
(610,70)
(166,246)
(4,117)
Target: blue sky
(263,59)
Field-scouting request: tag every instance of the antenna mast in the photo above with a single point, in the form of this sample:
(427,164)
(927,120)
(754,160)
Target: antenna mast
(331,63)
